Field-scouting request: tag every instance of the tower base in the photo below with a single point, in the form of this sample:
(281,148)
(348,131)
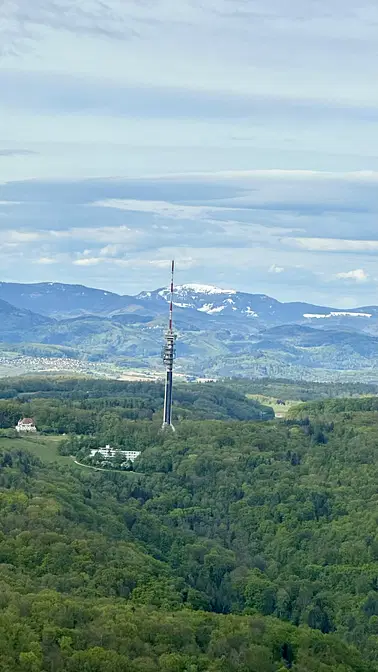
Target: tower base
(167,425)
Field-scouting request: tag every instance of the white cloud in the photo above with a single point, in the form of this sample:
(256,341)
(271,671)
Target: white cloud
(276,269)
(246,176)
(87,261)
(333,244)
(73,77)
(140,263)
(18,237)
(358,275)
(160,208)
(46,261)
(111,250)
(102,234)
(184,263)
(250,41)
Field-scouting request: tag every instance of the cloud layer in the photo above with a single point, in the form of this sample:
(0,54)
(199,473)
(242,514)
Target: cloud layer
(294,234)
(252,157)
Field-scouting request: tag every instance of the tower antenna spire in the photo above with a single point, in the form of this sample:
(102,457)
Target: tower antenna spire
(172,292)
(168,357)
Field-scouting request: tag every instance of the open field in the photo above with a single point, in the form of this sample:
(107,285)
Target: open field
(280,410)
(44,447)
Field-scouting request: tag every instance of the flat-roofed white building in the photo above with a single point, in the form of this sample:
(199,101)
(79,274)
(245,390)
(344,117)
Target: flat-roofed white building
(128,455)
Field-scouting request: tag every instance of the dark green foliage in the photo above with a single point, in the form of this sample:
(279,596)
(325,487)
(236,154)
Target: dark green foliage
(233,546)
(81,590)
(95,406)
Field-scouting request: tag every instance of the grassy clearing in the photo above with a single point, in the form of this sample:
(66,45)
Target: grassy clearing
(279,409)
(44,447)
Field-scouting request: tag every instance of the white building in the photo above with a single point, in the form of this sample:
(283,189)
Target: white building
(26,425)
(128,455)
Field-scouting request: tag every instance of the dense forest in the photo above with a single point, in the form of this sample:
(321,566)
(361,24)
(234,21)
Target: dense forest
(244,545)
(95,577)
(84,399)
(299,390)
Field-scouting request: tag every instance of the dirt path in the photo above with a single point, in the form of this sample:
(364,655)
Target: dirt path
(114,471)
(88,466)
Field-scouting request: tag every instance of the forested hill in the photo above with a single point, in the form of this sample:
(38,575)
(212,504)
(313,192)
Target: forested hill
(88,399)
(102,573)
(300,390)
(233,546)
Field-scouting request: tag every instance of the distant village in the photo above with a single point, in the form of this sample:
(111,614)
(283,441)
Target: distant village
(24,363)
(20,364)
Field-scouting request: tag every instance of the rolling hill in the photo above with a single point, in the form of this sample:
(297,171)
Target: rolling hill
(221,332)
(15,322)
(231,547)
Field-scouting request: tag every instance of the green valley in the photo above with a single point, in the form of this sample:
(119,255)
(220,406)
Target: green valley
(236,543)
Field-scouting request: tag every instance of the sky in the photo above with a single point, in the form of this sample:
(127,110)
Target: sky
(238,136)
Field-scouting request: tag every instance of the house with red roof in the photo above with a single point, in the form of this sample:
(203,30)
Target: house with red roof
(26,425)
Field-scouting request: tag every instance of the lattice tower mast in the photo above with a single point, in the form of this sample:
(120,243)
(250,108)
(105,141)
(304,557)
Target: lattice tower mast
(169,352)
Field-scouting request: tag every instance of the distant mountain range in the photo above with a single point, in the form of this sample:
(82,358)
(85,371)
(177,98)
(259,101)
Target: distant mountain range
(264,310)
(221,331)
(60,300)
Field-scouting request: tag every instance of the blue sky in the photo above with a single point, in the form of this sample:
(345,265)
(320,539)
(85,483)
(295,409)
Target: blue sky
(239,136)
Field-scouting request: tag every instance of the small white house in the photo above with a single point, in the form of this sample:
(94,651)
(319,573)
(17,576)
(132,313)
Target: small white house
(128,455)
(26,425)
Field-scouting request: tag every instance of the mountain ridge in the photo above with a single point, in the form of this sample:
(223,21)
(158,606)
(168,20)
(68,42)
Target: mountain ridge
(221,332)
(15,319)
(63,299)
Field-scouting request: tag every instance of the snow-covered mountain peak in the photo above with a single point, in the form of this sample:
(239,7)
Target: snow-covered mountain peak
(203,289)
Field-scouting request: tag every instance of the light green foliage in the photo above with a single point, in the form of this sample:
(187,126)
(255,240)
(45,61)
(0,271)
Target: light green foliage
(235,546)
(280,407)
(45,448)
(300,390)
(90,404)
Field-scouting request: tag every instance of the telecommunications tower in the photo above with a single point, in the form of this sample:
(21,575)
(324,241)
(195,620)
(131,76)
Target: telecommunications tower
(168,357)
